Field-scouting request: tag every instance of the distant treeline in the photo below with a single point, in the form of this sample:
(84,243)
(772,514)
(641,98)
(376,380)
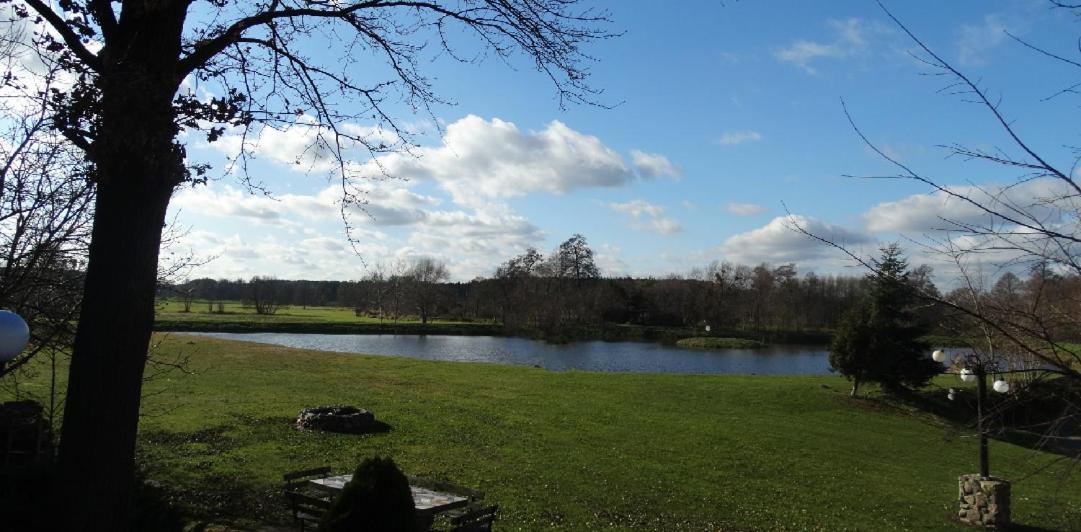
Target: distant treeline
(750,299)
(564,295)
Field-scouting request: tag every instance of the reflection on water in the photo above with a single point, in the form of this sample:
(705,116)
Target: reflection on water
(636,357)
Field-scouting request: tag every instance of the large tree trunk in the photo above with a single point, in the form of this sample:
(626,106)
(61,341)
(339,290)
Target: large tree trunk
(137,164)
(97,443)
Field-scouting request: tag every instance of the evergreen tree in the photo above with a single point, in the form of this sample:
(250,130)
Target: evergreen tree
(878,340)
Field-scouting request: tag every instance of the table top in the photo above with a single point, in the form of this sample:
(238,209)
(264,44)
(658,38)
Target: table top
(424,499)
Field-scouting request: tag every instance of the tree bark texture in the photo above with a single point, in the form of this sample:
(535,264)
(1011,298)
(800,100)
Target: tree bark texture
(137,165)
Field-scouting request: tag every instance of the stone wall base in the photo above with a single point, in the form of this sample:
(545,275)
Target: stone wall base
(983,501)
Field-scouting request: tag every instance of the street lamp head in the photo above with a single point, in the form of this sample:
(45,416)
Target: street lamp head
(1001,386)
(940,356)
(967,375)
(14,335)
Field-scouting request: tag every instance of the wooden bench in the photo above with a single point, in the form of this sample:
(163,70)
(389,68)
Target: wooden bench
(479,520)
(308,508)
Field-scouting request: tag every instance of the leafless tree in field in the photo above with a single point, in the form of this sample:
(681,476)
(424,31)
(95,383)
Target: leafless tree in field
(1020,329)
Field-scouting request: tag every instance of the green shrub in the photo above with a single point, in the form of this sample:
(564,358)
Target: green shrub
(378,499)
(719,343)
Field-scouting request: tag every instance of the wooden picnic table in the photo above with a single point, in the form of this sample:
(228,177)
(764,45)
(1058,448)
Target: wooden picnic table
(428,502)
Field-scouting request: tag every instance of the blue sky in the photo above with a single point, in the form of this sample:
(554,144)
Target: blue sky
(725,114)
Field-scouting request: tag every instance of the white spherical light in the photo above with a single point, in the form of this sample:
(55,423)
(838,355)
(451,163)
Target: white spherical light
(1001,386)
(14,335)
(967,375)
(939,356)
(952,394)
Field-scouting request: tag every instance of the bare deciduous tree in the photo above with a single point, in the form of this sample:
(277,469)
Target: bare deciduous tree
(126,106)
(425,274)
(1032,224)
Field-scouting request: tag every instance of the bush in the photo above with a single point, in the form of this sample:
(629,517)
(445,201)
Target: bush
(378,499)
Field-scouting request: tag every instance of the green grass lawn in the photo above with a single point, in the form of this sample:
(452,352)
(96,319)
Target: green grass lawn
(170,316)
(173,310)
(574,450)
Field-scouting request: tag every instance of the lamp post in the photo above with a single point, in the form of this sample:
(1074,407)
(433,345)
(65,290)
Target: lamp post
(14,335)
(983,500)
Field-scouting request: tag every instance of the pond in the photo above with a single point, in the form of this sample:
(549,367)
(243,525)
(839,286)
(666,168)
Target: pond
(635,357)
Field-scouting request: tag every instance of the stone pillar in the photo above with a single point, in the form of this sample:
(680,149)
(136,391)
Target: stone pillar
(983,501)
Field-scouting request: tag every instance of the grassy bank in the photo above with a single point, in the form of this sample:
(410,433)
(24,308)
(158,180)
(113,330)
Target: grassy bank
(574,450)
(713,342)
(237,318)
(203,316)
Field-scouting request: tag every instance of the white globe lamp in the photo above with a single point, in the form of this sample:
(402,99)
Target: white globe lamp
(940,356)
(967,375)
(14,335)
(1001,386)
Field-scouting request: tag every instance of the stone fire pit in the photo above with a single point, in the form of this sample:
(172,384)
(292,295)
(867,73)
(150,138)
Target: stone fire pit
(348,419)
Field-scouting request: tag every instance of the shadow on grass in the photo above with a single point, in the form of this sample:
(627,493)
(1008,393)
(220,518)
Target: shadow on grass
(199,473)
(1009,415)
(374,427)
(1017,527)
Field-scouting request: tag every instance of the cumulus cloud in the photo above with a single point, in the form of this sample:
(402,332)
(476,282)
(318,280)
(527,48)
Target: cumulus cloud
(647,216)
(1042,198)
(477,161)
(241,256)
(849,40)
(779,242)
(653,165)
(474,243)
(732,138)
(384,205)
(309,244)
(308,146)
(743,209)
(482,159)
(637,208)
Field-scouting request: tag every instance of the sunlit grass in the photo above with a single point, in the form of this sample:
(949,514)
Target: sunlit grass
(574,450)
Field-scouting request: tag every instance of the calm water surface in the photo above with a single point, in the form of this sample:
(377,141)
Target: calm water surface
(636,357)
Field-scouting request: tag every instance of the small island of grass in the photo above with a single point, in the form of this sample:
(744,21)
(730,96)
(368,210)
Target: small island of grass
(711,342)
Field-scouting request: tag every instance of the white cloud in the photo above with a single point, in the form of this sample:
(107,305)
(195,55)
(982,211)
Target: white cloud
(732,138)
(610,262)
(492,158)
(850,39)
(386,205)
(743,209)
(478,159)
(240,256)
(653,165)
(637,208)
(779,242)
(978,39)
(647,216)
(938,210)
(307,146)
(307,240)
(474,243)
